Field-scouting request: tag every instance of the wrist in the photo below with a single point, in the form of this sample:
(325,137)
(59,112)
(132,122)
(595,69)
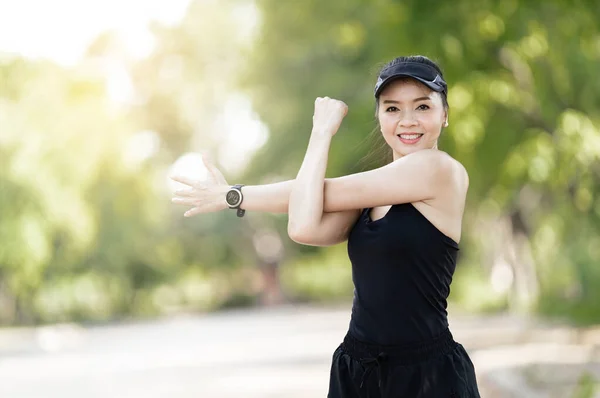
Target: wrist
(222,193)
(319,139)
(234,199)
(322,133)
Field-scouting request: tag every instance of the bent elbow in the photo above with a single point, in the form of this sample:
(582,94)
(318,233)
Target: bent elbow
(298,235)
(305,236)
(312,238)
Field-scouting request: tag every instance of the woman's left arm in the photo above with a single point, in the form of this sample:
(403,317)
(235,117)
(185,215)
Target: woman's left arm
(306,201)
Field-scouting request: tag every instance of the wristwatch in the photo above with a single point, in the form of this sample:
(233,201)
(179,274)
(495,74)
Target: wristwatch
(234,199)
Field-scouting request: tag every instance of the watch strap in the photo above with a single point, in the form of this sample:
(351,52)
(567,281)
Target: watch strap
(240,212)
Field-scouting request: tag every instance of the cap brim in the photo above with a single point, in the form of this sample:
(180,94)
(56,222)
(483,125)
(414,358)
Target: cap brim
(432,85)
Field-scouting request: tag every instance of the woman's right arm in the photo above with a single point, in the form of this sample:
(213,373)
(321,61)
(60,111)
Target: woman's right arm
(269,198)
(209,196)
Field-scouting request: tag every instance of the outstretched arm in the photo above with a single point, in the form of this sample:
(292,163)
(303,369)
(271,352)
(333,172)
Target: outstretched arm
(271,198)
(417,177)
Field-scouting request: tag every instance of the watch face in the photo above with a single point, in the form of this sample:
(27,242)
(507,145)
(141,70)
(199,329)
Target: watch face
(232,198)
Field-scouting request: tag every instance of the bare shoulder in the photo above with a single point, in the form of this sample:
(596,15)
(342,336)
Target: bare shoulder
(443,167)
(433,157)
(455,170)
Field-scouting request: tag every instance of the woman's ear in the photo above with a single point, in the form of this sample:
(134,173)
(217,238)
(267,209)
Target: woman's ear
(446,117)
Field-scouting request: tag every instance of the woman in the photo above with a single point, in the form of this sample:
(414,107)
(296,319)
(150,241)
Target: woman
(402,223)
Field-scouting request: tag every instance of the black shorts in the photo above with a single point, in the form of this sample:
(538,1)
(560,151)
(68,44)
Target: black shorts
(440,368)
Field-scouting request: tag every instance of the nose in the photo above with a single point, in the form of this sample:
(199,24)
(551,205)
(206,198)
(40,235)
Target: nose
(406,119)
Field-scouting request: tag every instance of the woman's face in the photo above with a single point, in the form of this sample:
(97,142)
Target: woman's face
(411,116)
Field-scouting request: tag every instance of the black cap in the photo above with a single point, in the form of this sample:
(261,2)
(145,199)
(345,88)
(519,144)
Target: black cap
(424,73)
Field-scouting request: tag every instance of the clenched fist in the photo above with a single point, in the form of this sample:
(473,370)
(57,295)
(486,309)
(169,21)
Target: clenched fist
(328,115)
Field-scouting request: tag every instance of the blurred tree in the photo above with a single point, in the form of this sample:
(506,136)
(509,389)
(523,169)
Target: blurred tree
(185,88)
(87,230)
(83,200)
(184,85)
(85,154)
(58,139)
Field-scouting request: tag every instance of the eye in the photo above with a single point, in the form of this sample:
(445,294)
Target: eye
(423,107)
(391,109)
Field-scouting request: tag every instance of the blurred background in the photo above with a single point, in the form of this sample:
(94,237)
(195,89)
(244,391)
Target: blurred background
(107,291)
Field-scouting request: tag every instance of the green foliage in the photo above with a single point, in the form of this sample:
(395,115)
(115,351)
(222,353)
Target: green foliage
(72,211)
(322,277)
(87,230)
(586,386)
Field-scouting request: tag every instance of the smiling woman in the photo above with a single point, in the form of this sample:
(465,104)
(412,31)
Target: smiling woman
(403,225)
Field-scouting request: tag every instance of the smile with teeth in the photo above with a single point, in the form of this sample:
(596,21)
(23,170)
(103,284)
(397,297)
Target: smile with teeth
(409,136)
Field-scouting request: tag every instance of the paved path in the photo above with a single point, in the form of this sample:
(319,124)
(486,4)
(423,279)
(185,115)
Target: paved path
(275,352)
(282,352)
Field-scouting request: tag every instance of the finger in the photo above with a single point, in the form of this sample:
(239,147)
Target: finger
(344,108)
(195,211)
(185,201)
(185,193)
(183,180)
(213,170)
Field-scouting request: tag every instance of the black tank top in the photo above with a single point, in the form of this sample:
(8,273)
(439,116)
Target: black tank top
(402,266)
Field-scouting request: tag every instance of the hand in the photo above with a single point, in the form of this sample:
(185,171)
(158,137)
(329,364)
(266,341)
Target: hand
(204,196)
(328,115)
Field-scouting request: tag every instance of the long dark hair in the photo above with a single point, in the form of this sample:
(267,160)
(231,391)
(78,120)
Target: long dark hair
(380,153)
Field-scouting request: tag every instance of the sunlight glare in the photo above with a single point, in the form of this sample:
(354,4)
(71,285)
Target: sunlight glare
(244,133)
(188,165)
(62,30)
